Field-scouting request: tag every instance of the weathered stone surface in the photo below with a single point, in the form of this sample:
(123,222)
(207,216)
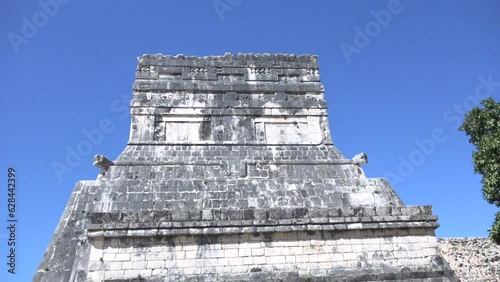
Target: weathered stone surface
(67,256)
(472,259)
(327,256)
(230,173)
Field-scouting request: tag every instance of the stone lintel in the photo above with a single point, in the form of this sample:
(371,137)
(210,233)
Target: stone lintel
(242,229)
(234,111)
(229,61)
(167,222)
(216,86)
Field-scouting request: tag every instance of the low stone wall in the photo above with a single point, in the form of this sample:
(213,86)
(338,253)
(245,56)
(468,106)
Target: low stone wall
(358,254)
(472,259)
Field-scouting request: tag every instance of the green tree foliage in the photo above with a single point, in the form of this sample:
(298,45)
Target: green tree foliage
(482,125)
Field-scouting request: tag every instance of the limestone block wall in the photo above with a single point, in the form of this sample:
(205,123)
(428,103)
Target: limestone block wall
(472,259)
(372,254)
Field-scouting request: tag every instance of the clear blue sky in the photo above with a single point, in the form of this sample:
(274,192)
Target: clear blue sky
(390,83)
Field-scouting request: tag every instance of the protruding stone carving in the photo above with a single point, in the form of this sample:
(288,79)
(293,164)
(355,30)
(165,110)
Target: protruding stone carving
(281,96)
(103,163)
(360,159)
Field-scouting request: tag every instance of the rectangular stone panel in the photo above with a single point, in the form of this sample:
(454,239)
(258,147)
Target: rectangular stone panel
(287,130)
(182,131)
(286,133)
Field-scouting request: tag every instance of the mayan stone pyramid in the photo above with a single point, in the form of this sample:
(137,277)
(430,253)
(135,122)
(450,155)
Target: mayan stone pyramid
(230,174)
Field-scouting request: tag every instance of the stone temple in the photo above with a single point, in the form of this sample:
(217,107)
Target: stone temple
(230,174)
